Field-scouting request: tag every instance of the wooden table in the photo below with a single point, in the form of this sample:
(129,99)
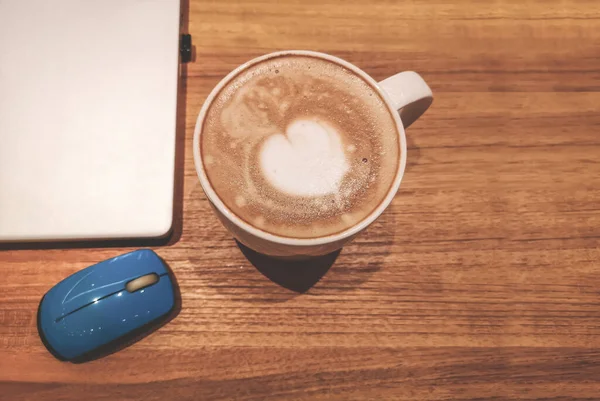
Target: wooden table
(482,280)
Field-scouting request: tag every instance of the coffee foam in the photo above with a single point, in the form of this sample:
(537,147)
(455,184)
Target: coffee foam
(299,146)
(307,160)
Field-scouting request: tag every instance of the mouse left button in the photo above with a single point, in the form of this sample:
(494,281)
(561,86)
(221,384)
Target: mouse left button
(43,323)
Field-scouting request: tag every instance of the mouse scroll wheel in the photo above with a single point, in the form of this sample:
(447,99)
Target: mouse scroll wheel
(142,282)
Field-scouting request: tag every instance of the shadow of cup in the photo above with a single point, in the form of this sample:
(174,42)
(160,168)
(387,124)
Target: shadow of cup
(296,275)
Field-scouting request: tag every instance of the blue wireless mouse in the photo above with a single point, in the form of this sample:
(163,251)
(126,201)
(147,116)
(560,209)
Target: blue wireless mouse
(105,302)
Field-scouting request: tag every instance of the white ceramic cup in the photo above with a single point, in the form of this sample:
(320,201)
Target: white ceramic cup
(407,96)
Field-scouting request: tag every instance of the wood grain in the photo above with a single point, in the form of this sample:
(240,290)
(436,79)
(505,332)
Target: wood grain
(482,280)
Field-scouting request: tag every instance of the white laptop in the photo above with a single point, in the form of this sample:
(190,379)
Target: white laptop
(88,105)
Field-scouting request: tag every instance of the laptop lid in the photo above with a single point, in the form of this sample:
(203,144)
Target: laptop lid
(88,104)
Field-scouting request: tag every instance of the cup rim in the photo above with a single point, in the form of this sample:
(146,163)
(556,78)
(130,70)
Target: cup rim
(300,242)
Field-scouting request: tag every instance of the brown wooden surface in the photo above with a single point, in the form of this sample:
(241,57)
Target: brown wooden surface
(482,281)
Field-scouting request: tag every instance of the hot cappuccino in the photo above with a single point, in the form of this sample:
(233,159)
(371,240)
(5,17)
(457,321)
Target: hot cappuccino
(300,146)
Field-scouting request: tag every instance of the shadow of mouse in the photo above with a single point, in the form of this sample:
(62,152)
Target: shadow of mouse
(295,275)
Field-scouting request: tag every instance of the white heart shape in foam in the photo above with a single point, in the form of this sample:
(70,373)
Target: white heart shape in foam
(308,160)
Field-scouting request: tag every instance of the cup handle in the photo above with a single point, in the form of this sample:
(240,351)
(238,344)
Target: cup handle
(410,95)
